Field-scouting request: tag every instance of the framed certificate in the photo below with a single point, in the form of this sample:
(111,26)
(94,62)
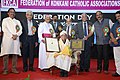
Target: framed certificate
(77,44)
(52,45)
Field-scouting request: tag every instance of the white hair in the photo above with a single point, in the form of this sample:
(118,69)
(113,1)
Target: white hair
(63,33)
(47,15)
(84,14)
(29,12)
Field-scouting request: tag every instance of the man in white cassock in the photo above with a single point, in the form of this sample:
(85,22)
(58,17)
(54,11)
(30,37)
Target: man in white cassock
(45,30)
(12,29)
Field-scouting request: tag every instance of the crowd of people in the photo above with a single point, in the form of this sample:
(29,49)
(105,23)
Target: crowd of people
(27,34)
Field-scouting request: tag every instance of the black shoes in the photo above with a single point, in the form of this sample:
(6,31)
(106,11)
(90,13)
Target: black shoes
(86,70)
(63,73)
(66,75)
(116,75)
(25,70)
(82,70)
(46,70)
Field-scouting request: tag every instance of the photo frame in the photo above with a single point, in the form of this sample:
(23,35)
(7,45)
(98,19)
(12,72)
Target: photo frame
(77,44)
(52,45)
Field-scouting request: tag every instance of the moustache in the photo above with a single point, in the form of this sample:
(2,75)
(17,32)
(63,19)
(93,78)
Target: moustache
(119,19)
(55,19)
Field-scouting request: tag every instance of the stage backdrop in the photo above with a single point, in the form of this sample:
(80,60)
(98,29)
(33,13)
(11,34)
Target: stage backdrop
(64,8)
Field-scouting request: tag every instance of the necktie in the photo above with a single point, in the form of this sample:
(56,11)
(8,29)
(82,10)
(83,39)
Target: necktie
(85,29)
(68,31)
(55,25)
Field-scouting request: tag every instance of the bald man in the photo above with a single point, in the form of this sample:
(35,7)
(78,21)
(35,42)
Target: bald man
(45,30)
(82,30)
(68,28)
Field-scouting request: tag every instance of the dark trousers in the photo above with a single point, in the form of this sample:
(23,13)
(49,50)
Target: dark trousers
(85,56)
(28,50)
(103,50)
(0,42)
(6,60)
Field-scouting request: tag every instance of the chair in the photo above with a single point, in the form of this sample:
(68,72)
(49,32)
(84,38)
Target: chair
(75,62)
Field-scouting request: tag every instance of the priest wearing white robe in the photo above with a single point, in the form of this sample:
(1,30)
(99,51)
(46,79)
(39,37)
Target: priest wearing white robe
(12,29)
(45,30)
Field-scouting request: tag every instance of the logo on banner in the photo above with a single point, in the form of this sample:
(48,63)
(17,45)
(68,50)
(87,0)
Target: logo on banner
(9,3)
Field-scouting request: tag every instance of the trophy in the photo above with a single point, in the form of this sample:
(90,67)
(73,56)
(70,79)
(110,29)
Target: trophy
(72,33)
(17,28)
(33,29)
(51,32)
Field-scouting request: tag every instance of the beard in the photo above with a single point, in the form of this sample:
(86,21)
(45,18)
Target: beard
(55,20)
(119,20)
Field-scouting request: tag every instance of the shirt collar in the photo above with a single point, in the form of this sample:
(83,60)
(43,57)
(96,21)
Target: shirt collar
(29,20)
(11,18)
(84,22)
(100,20)
(54,22)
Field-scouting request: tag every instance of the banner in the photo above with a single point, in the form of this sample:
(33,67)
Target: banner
(63,8)
(73,6)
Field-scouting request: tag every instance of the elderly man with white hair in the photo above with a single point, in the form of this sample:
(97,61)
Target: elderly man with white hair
(45,30)
(82,30)
(29,40)
(63,59)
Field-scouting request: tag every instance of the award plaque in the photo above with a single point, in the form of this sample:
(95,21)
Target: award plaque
(77,44)
(52,45)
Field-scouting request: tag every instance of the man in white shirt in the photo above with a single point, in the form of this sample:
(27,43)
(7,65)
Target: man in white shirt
(12,29)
